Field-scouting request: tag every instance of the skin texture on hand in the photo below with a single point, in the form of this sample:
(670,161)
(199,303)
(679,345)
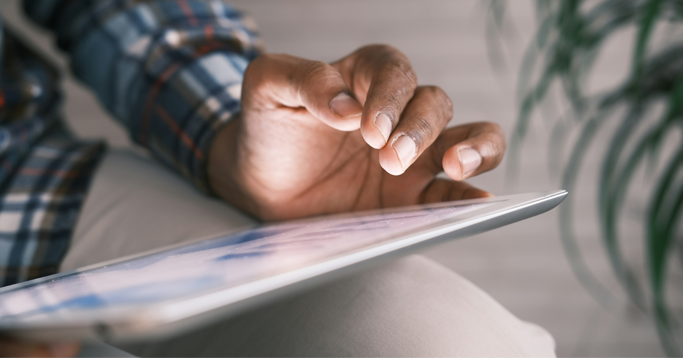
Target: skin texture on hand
(314,138)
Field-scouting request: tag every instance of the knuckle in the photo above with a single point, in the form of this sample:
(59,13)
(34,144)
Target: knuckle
(378,48)
(391,102)
(395,92)
(404,70)
(386,48)
(431,90)
(492,127)
(440,95)
(314,69)
(424,129)
(442,100)
(388,58)
(314,72)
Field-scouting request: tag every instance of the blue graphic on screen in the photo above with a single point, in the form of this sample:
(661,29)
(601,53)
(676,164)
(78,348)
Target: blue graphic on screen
(220,263)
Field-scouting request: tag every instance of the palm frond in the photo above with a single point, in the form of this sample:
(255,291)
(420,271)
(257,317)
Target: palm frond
(665,211)
(569,38)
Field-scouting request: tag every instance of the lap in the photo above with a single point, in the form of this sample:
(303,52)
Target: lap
(408,307)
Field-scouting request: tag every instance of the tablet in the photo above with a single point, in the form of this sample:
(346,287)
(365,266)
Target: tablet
(169,291)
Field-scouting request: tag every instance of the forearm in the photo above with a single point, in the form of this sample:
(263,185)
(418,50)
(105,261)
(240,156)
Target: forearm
(170,71)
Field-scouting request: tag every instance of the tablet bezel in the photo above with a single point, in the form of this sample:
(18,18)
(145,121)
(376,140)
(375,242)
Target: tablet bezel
(168,318)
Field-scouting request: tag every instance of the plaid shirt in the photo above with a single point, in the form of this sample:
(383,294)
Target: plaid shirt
(170,71)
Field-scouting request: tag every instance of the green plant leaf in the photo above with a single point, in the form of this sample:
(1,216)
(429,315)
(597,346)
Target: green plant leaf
(574,255)
(661,213)
(645,30)
(494,35)
(569,38)
(609,195)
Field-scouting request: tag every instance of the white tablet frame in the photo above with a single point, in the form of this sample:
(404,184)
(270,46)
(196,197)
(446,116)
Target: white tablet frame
(173,317)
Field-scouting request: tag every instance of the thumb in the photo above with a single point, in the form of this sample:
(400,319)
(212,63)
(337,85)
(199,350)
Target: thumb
(294,82)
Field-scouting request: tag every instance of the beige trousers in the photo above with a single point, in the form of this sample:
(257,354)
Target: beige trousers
(408,307)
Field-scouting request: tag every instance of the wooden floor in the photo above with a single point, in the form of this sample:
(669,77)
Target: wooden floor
(523,265)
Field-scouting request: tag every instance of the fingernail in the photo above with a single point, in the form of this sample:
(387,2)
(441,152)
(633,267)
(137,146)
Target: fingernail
(345,106)
(383,123)
(62,349)
(470,160)
(406,149)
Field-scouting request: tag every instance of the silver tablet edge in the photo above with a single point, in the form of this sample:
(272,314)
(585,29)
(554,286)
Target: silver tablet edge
(166,320)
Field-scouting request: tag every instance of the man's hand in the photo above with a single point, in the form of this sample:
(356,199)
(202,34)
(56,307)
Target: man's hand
(358,134)
(13,348)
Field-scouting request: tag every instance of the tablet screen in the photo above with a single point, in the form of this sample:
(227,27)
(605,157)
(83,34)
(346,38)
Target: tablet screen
(219,263)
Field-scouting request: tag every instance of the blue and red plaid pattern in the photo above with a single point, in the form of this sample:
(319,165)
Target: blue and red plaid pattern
(169,70)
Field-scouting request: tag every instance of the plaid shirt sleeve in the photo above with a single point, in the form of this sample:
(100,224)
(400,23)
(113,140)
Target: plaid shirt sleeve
(170,71)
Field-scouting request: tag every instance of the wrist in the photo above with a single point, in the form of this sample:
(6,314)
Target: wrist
(223,169)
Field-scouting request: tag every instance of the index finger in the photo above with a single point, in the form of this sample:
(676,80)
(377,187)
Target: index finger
(383,78)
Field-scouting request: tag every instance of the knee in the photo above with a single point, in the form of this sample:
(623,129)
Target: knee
(416,307)
(410,307)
